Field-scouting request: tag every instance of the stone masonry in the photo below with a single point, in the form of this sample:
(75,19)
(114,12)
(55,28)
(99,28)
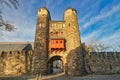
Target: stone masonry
(56,40)
(41,42)
(66,37)
(15,62)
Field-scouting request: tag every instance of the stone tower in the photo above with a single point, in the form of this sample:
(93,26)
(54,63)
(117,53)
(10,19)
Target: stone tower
(72,30)
(41,42)
(74,59)
(58,40)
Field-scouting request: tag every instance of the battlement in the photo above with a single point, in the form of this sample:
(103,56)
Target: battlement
(103,62)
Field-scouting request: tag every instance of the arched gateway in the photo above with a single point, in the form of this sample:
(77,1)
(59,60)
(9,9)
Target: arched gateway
(57,40)
(56,64)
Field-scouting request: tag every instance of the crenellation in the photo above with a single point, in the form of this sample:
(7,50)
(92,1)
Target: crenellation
(103,65)
(14,59)
(57,40)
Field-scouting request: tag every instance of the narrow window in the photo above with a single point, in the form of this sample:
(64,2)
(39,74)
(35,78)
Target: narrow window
(51,33)
(57,49)
(63,25)
(62,33)
(61,49)
(18,52)
(40,25)
(69,24)
(52,49)
(56,32)
(10,52)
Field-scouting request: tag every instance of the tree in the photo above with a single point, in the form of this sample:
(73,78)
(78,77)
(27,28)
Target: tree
(95,46)
(5,25)
(116,47)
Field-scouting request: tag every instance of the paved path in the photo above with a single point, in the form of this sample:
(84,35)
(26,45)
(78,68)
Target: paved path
(64,77)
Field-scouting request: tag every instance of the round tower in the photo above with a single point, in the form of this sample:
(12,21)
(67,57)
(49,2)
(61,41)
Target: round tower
(74,64)
(41,42)
(72,29)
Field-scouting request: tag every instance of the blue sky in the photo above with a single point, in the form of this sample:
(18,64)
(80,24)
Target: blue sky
(98,20)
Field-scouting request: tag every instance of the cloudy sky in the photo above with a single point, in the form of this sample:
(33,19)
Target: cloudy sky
(98,20)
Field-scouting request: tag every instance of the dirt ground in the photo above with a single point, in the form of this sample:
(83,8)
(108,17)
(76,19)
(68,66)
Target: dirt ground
(61,76)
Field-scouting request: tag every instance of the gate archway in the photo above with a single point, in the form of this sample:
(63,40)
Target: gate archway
(56,65)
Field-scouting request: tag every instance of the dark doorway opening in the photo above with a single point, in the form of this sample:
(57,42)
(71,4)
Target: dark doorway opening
(55,65)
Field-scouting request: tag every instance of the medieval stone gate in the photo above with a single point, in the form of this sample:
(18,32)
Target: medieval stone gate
(57,40)
(56,67)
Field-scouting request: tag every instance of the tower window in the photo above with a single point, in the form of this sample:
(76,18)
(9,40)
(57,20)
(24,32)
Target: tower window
(56,41)
(10,52)
(40,10)
(54,24)
(57,49)
(61,49)
(63,25)
(18,52)
(60,41)
(51,33)
(52,49)
(56,33)
(40,25)
(69,24)
(62,33)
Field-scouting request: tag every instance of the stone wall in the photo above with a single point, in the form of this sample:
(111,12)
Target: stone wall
(75,63)
(15,62)
(41,42)
(102,62)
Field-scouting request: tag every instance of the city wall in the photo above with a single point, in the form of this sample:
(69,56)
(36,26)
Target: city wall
(15,62)
(102,62)
(19,62)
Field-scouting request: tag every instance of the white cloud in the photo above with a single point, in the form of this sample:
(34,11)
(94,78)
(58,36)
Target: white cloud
(24,20)
(104,28)
(102,15)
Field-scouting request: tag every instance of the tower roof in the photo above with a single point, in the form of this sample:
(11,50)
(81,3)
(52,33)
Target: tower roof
(44,9)
(71,9)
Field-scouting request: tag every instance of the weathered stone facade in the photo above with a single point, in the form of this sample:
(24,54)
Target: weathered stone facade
(15,62)
(56,40)
(103,62)
(41,42)
(50,35)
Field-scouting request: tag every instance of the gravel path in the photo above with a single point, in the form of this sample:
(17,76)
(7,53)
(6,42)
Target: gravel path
(64,77)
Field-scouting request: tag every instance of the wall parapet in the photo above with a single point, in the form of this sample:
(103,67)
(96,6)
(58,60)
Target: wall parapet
(103,62)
